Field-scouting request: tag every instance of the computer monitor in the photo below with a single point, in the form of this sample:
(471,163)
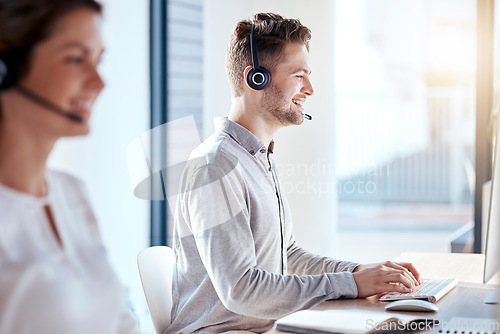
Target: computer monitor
(492,250)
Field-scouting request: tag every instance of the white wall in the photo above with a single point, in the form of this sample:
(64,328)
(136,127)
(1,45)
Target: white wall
(121,113)
(306,153)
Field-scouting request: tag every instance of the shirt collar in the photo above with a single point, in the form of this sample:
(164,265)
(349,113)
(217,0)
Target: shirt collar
(242,136)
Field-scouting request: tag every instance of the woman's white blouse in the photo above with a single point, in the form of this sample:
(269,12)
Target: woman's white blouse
(54,289)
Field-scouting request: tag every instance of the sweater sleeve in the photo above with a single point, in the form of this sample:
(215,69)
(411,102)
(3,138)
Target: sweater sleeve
(302,262)
(219,218)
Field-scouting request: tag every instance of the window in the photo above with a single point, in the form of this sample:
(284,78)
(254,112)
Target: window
(176,92)
(405,102)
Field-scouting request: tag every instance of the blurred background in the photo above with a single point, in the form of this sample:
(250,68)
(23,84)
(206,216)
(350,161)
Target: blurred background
(387,165)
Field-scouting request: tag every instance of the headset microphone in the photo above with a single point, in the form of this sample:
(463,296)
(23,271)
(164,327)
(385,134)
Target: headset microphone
(258,77)
(10,64)
(308,117)
(47,104)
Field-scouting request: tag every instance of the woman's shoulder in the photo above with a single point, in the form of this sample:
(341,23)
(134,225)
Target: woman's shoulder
(72,188)
(61,177)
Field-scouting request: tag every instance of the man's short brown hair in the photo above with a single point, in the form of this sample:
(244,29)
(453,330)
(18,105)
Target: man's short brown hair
(272,32)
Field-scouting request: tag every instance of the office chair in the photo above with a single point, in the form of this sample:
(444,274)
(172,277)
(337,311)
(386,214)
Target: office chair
(156,266)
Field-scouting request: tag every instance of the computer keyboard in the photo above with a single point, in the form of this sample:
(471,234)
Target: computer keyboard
(431,290)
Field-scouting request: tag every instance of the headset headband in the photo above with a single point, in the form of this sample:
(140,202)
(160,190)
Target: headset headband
(253,49)
(257,77)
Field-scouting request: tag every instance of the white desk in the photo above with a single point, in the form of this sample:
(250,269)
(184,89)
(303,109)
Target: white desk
(466,300)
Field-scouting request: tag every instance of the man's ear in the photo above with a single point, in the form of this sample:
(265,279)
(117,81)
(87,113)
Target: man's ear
(245,73)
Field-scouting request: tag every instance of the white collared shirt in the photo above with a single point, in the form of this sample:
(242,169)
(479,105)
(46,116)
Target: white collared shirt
(54,289)
(237,263)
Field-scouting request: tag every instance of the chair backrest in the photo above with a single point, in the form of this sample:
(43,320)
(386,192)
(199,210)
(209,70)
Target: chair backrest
(156,266)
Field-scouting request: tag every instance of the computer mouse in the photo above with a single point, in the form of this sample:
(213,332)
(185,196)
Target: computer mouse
(411,305)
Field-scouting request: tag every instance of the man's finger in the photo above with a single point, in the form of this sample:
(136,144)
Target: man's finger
(413,270)
(401,266)
(400,277)
(391,287)
(402,270)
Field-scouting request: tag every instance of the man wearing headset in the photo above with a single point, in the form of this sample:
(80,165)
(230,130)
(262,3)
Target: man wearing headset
(237,263)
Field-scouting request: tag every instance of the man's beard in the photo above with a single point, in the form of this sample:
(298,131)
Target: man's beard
(278,108)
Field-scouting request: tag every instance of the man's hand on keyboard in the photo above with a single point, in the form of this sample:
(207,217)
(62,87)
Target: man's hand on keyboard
(389,276)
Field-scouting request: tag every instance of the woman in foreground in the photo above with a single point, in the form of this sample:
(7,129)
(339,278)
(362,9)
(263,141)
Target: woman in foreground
(55,277)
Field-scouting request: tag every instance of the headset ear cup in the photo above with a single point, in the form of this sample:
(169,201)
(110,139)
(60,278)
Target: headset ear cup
(9,71)
(258,79)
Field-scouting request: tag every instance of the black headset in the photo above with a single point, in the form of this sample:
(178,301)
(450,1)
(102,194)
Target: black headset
(9,69)
(258,77)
